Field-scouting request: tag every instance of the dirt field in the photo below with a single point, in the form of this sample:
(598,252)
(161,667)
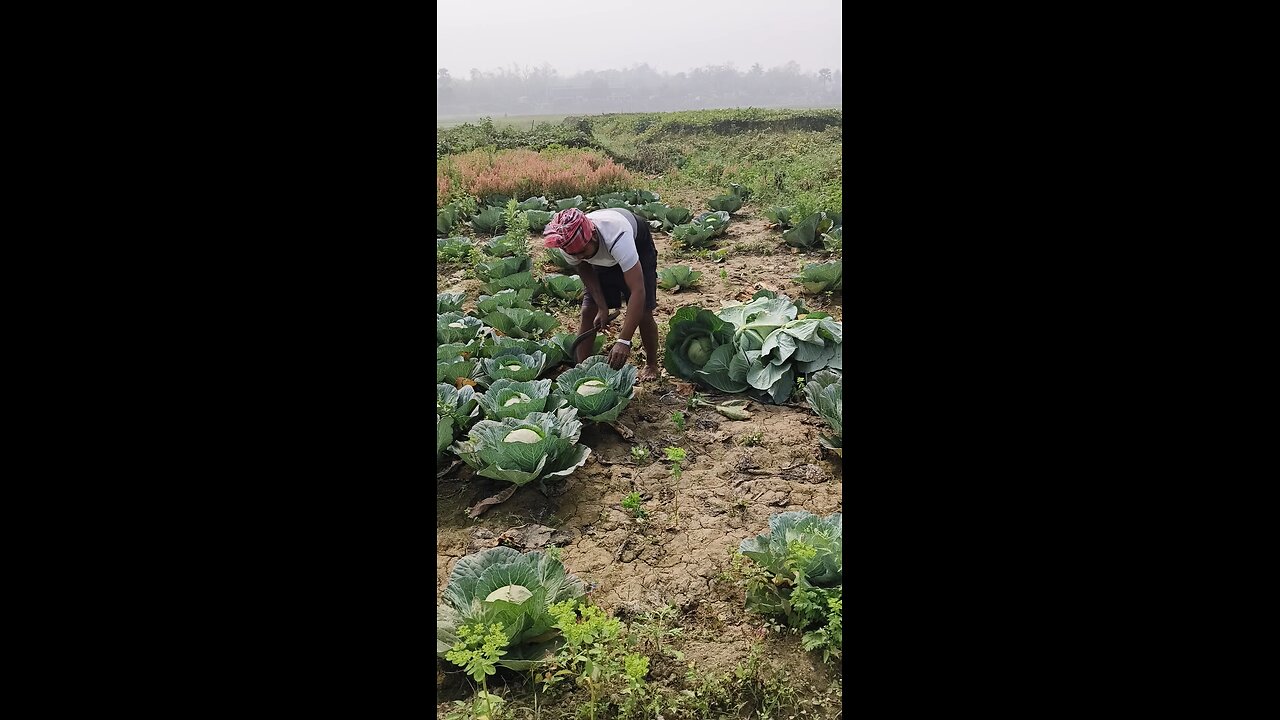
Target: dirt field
(732,482)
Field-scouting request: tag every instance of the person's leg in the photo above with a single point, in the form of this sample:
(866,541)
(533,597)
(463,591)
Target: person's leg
(648,326)
(649,337)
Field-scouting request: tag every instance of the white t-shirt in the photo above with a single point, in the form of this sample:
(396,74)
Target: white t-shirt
(614,232)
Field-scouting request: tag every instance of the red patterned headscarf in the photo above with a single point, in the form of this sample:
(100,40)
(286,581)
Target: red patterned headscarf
(569,230)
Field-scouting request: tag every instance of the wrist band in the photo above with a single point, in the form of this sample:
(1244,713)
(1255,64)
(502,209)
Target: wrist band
(624,342)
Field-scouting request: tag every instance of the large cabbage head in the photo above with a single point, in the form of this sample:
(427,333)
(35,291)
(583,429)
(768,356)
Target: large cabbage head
(693,336)
(508,398)
(501,585)
(599,392)
(519,451)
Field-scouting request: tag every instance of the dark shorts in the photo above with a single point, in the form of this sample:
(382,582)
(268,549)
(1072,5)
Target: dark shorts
(615,286)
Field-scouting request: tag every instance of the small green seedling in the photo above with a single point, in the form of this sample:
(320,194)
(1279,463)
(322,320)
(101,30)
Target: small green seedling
(632,502)
(639,454)
(677,417)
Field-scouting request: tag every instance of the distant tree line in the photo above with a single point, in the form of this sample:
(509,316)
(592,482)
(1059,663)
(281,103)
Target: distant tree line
(541,90)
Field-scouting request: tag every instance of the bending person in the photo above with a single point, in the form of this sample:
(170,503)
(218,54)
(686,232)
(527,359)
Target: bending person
(621,264)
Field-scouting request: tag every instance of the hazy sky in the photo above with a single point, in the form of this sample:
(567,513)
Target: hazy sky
(670,35)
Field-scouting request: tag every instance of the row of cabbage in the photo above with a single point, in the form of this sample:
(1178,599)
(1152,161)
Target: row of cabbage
(530,426)
(760,348)
(821,231)
(688,229)
(800,581)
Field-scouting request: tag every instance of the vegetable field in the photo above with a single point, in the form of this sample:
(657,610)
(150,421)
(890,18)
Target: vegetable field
(608,548)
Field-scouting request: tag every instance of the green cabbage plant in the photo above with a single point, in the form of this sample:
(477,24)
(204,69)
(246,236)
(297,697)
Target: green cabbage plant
(502,299)
(692,235)
(449,302)
(823,393)
(820,277)
(522,282)
(502,267)
(651,211)
(677,277)
(832,242)
(503,586)
(446,218)
(517,367)
(538,219)
(807,234)
(692,336)
(510,346)
(803,576)
(455,408)
(557,348)
(533,203)
(451,369)
(512,399)
(519,451)
(489,221)
(779,216)
(453,249)
(565,287)
(577,201)
(519,322)
(740,191)
(506,246)
(556,256)
(597,391)
(454,327)
(728,203)
(717,221)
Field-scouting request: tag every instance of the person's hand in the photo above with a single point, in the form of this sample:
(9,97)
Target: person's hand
(618,355)
(602,319)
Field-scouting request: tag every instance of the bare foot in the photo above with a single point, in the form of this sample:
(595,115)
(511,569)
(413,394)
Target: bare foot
(647,372)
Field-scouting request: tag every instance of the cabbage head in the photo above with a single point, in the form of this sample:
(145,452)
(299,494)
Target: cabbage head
(823,391)
(692,337)
(514,366)
(514,589)
(597,391)
(508,398)
(454,327)
(519,451)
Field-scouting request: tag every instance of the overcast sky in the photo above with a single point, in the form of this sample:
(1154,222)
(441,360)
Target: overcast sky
(670,35)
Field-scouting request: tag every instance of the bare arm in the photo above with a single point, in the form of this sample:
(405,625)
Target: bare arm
(592,283)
